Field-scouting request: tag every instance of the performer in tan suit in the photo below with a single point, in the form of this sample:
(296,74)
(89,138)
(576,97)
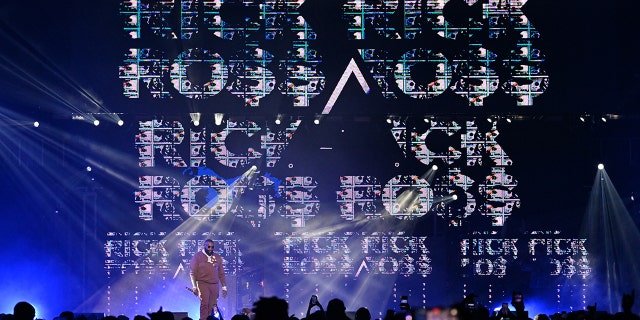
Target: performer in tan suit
(207,276)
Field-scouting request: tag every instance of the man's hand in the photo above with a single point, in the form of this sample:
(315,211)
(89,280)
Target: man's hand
(195,291)
(224,291)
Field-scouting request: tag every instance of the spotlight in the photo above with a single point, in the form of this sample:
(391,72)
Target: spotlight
(316,121)
(389,120)
(96,122)
(120,123)
(217,117)
(489,119)
(36,124)
(89,168)
(434,167)
(278,121)
(508,120)
(603,118)
(583,119)
(195,118)
(600,166)
(454,197)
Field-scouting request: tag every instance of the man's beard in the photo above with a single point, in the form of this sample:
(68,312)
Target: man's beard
(208,252)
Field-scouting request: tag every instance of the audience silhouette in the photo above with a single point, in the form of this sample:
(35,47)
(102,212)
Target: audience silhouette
(24,311)
(336,310)
(362,314)
(275,308)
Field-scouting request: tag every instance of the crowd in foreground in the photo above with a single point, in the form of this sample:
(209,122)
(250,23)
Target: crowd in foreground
(274,308)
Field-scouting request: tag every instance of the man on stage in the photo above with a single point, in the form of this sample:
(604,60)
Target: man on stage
(207,275)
